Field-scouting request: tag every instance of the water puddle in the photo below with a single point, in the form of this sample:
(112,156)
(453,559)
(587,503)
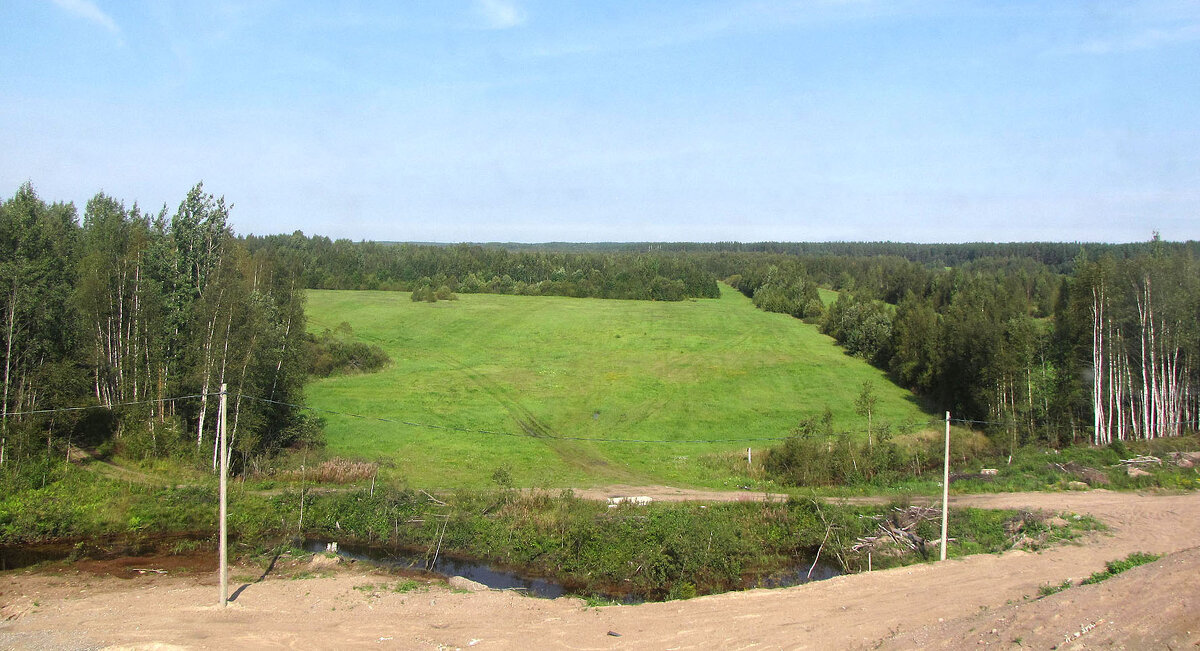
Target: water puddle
(102,548)
(446,567)
(799,575)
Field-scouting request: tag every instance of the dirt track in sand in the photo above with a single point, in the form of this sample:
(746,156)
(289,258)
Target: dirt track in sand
(987,599)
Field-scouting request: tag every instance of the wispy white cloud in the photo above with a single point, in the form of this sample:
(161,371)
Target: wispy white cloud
(87,10)
(499,14)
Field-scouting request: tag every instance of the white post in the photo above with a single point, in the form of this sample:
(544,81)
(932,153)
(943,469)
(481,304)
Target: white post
(224,531)
(749,456)
(946,488)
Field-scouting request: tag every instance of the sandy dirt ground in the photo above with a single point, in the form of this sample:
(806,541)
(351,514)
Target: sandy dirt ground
(671,494)
(975,601)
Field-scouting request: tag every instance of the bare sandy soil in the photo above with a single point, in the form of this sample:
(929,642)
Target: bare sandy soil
(671,494)
(980,600)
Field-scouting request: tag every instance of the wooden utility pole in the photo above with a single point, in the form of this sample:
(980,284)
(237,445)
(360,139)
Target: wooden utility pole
(946,487)
(224,471)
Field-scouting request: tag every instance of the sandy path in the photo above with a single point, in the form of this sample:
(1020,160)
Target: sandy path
(672,494)
(952,604)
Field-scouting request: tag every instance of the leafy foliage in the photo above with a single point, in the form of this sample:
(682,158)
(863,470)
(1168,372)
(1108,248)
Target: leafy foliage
(136,308)
(333,352)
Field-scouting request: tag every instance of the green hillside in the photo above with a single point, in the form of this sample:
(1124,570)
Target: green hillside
(565,367)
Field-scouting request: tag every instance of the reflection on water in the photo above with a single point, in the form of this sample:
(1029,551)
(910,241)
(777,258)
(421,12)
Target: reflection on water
(447,567)
(798,575)
(14,557)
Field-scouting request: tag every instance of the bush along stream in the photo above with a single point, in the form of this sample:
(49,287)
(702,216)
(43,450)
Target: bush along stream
(662,550)
(653,552)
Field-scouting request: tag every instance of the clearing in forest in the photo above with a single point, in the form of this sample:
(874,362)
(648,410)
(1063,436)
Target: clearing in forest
(543,368)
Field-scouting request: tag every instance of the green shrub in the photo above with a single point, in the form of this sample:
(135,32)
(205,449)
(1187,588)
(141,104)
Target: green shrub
(333,353)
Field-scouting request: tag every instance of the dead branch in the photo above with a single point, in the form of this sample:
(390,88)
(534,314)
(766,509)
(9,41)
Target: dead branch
(1141,460)
(432,498)
(818,556)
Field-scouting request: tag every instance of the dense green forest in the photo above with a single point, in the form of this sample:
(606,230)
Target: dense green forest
(1102,347)
(131,310)
(471,269)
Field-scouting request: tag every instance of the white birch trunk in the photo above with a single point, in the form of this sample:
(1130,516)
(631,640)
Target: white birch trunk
(212,327)
(1098,366)
(8,346)
(224,359)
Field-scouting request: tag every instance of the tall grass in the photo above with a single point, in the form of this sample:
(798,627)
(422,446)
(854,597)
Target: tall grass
(601,369)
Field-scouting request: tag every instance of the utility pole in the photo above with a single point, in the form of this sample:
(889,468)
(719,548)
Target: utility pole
(224,470)
(946,488)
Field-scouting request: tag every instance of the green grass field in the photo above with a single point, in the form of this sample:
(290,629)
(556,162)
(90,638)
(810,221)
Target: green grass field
(565,367)
(828,296)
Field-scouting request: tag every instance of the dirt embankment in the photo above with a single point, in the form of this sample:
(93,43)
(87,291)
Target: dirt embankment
(967,602)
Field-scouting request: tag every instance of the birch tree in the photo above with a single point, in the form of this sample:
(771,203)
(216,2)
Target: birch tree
(1143,344)
(37,249)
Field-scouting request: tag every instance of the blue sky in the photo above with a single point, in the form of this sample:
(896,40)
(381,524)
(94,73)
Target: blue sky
(516,120)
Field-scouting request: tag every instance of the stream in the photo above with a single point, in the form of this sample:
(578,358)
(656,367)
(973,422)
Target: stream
(497,578)
(547,588)
(445,567)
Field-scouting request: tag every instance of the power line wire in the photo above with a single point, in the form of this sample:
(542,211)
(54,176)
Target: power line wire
(1012,423)
(469,430)
(396,421)
(110,406)
(514,434)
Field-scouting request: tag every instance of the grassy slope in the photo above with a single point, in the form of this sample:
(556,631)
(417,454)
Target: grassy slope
(581,367)
(828,296)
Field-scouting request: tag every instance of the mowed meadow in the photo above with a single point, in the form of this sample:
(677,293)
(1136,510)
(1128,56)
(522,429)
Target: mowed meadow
(534,372)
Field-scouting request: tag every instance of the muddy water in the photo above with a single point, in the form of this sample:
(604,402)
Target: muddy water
(106,548)
(109,555)
(505,579)
(446,567)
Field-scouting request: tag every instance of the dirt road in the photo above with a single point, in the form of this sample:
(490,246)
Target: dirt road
(990,599)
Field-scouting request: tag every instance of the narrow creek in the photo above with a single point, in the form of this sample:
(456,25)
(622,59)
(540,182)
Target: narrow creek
(497,578)
(445,567)
(548,588)
(107,548)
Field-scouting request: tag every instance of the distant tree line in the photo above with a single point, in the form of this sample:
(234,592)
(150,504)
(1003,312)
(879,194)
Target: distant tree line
(1058,256)
(471,269)
(134,307)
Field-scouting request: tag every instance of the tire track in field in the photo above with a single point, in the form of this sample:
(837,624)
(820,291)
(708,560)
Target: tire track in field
(573,453)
